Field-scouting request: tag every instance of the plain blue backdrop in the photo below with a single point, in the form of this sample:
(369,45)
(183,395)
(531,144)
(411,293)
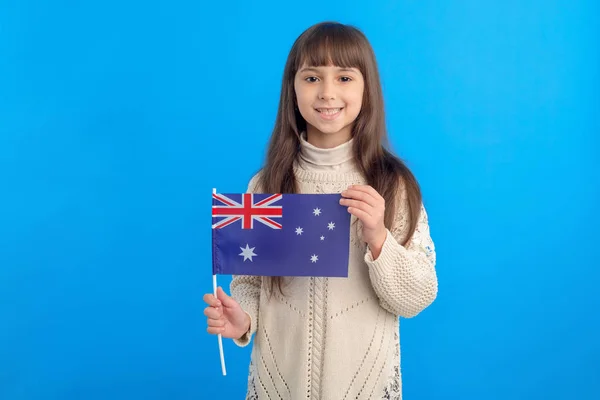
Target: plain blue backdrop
(118,118)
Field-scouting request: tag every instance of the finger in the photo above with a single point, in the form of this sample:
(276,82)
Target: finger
(368,189)
(225,299)
(360,195)
(219,323)
(214,313)
(215,330)
(360,214)
(361,205)
(211,300)
(371,191)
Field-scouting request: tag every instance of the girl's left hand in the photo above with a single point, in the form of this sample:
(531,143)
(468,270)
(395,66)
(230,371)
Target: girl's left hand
(369,207)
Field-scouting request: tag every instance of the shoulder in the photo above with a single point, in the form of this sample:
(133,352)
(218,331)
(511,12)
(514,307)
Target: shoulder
(254,183)
(408,208)
(401,207)
(400,196)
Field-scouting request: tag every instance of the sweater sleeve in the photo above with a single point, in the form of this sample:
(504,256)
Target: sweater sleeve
(245,289)
(404,278)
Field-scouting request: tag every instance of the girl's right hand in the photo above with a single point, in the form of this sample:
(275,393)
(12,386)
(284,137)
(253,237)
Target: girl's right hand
(225,316)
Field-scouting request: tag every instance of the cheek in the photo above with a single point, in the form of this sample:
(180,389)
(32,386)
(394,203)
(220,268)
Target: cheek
(359,96)
(301,98)
(356,104)
(304,105)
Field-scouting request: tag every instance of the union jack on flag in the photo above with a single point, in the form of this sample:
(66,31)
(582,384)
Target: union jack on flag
(247,211)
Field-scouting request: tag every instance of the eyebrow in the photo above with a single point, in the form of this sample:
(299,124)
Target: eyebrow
(313,69)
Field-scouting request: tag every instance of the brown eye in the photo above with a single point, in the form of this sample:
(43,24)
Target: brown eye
(311,79)
(346,79)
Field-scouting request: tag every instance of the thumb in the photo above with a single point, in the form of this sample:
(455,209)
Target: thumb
(225,299)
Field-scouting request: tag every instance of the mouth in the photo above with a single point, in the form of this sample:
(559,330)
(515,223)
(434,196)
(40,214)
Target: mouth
(329,113)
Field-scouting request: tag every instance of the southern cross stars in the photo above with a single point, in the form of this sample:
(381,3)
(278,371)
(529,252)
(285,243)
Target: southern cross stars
(247,252)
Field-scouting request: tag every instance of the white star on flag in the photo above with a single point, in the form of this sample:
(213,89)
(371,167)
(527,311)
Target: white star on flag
(314,258)
(317,211)
(322,237)
(331,226)
(247,252)
(299,231)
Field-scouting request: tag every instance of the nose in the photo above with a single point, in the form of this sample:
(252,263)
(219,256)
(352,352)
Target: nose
(327,91)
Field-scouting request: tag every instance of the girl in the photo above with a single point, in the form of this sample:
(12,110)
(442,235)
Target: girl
(324,338)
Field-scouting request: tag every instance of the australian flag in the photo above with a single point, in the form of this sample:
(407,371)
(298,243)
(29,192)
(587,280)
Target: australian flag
(280,235)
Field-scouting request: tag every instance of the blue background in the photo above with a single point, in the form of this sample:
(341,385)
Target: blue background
(118,118)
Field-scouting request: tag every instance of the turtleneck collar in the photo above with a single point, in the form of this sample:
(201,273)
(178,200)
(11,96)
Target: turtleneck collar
(335,158)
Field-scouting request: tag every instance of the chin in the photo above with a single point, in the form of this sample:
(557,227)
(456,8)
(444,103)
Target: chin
(330,132)
(328,129)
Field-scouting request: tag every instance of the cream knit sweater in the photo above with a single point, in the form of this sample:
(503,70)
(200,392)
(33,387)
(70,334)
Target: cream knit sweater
(338,338)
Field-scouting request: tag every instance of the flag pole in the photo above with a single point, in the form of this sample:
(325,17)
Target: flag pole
(223,369)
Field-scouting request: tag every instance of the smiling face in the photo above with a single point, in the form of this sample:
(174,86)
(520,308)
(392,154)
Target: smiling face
(329,99)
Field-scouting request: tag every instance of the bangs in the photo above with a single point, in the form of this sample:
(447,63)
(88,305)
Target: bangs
(332,45)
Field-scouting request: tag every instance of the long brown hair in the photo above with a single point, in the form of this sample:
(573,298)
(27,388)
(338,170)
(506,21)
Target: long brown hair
(331,43)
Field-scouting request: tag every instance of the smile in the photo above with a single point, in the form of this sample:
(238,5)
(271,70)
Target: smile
(329,113)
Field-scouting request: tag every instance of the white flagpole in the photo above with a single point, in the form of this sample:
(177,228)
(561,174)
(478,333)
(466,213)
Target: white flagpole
(220,337)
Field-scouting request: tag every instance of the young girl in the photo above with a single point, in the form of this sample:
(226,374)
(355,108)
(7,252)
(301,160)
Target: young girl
(334,338)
